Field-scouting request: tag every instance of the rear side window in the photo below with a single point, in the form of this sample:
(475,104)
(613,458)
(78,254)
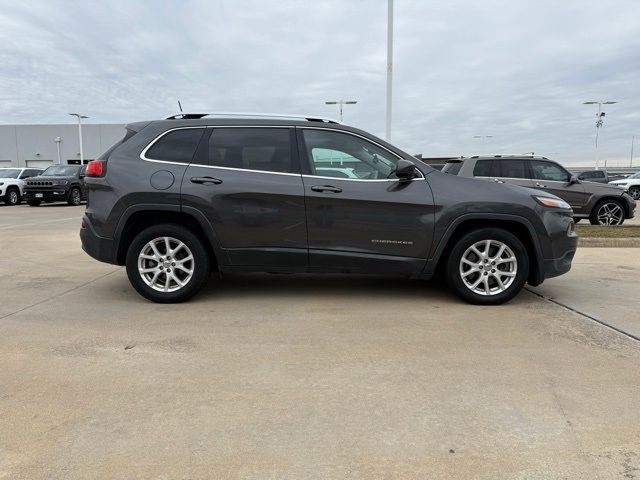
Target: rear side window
(176,146)
(511,168)
(264,149)
(127,136)
(482,168)
(452,168)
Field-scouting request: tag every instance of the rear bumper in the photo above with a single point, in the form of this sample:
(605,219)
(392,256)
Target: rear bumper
(100,248)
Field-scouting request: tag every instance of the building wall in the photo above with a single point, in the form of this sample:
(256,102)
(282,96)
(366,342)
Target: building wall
(35,145)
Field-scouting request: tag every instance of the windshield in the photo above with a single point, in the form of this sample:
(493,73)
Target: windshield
(635,175)
(9,172)
(61,171)
(452,168)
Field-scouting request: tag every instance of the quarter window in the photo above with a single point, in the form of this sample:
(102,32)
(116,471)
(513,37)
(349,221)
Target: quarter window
(177,146)
(482,168)
(265,149)
(549,171)
(340,155)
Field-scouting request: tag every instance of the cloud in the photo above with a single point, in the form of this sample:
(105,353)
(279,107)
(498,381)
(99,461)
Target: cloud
(518,70)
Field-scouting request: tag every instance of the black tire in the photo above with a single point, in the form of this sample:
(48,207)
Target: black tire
(635,192)
(34,203)
(201,263)
(12,196)
(75,197)
(454,276)
(576,220)
(593,217)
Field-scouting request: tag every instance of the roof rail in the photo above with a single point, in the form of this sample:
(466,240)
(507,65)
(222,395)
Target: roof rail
(509,155)
(195,116)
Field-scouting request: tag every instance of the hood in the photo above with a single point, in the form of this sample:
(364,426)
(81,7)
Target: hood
(602,188)
(50,178)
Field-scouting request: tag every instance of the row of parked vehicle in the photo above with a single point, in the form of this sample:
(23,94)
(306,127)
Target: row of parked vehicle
(600,203)
(58,183)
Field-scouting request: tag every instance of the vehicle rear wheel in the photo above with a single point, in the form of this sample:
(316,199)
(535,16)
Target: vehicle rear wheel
(12,197)
(576,220)
(34,203)
(488,266)
(607,212)
(167,263)
(635,192)
(75,197)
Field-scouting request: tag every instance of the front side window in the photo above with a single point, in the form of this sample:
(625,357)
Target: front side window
(9,172)
(452,168)
(507,168)
(336,154)
(263,149)
(176,146)
(549,171)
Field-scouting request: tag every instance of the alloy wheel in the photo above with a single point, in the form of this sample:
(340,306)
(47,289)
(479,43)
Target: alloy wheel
(488,267)
(76,197)
(635,192)
(166,264)
(13,197)
(610,213)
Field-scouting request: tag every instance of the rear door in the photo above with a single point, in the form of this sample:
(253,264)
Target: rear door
(247,182)
(552,178)
(369,222)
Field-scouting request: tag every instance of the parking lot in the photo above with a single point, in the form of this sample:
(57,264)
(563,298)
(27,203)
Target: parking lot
(309,377)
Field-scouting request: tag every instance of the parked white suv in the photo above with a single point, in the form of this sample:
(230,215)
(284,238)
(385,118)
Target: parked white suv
(630,184)
(12,183)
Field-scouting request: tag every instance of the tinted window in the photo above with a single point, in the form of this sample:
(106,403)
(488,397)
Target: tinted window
(9,173)
(549,171)
(355,156)
(482,168)
(176,146)
(452,168)
(266,149)
(511,168)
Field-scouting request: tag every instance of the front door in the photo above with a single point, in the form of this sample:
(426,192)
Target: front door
(360,217)
(552,178)
(248,184)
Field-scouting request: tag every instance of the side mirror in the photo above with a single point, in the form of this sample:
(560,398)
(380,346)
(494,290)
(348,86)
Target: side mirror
(573,180)
(405,170)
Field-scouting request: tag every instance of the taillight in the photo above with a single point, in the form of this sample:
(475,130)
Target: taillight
(95,168)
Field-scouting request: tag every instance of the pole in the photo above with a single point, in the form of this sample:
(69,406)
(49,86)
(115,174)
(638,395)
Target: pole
(80,139)
(341,102)
(597,131)
(58,140)
(633,137)
(389,68)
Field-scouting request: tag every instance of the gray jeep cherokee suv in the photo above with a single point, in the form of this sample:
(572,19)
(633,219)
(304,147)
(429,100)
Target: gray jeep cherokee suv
(602,204)
(180,197)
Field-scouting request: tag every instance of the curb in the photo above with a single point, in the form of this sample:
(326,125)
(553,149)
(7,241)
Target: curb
(590,242)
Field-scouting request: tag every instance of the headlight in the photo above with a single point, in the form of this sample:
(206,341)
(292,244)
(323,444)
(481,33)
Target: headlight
(552,202)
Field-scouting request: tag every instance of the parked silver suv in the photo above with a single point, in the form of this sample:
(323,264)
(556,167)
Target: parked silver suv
(601,204)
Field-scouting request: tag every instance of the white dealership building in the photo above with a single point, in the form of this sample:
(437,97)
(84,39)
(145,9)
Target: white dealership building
(44,145)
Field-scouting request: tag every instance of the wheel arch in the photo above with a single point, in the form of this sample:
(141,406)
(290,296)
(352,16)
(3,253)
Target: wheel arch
(519,226)
(137,218)
(608,198)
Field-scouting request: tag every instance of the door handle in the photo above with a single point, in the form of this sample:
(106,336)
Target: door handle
(538,184)
(326,188)
(206,180)
(497,180)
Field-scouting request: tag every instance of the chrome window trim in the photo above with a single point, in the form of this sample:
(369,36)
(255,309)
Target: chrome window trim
(370,141)
(361,179)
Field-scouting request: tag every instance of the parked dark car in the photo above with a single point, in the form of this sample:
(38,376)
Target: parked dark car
(180,197)
(598,176)
(601,204)
(58,183)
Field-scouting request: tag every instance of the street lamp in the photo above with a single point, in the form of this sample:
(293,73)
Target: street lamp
(80,117)
(387,130)
(482,137)
(341,103)
(599,122)
(633,137)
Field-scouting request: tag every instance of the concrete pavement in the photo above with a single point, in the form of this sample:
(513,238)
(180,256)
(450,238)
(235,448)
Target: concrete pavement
(304,377)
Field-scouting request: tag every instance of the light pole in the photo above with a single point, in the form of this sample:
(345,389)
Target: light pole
(341,103)
(482,137)
(599,123)
(633,137)
(58,140)
(80,117)
(389,68)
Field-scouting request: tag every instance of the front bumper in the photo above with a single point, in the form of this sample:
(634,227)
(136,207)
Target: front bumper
(48,195)
(100,248)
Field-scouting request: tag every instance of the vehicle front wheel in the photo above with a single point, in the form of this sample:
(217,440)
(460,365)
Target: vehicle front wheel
(75,197)
(635,192)
(34,203)
(167,263)
(607,212)
(488,266)
(12,197)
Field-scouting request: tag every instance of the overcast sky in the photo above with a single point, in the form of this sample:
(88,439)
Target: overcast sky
(515,69)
